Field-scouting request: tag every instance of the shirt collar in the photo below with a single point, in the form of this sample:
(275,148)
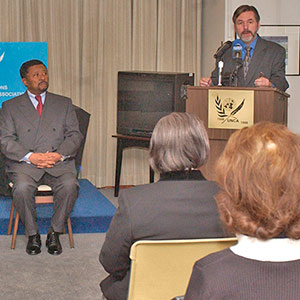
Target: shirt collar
(182,175)
(276,249)
(32,97)
(252,45)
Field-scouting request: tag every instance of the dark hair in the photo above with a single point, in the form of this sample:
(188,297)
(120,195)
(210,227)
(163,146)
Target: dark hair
(26,65)
(259,174)
(244,8)
(179,142)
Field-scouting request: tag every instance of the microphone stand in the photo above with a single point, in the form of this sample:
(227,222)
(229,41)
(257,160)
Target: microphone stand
(220,67)
(233,77)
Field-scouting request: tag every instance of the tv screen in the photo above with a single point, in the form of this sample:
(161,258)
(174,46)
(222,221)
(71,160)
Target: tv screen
(145,97)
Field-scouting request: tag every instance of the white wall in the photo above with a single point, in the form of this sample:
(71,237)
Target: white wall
(274,12)
(212,33)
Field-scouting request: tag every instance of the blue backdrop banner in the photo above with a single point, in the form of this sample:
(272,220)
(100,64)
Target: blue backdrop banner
(12,56)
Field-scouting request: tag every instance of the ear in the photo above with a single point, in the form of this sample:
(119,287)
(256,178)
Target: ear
(258,25)
(24,81)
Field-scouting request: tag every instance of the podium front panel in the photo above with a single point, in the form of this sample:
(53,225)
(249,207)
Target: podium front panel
(270,104)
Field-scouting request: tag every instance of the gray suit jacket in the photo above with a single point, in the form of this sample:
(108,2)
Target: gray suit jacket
(228,276)
(175,208)
(268,58)
(22,130)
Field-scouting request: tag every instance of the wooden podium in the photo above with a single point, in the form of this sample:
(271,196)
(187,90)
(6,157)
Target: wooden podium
(270,104)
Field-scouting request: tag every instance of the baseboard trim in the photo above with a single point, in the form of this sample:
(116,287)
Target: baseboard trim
(121,187)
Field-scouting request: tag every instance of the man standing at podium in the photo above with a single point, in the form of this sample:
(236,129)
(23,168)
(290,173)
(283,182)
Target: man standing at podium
(249,60)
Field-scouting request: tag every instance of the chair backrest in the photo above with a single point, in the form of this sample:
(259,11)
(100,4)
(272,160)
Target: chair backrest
(4,188)
(160,270)
(83,120)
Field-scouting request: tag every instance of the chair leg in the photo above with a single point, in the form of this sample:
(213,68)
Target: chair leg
(16,225)
(11,216)
(14,236)
(70,233)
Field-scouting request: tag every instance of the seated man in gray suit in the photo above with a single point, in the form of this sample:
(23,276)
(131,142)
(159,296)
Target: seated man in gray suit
(180,205)
(40,137)
(263,66)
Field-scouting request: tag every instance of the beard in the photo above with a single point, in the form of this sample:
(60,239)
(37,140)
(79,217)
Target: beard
(248,38)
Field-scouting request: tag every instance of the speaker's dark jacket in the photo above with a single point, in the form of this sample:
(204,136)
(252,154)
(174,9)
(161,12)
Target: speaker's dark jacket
(178,206)
(268,58)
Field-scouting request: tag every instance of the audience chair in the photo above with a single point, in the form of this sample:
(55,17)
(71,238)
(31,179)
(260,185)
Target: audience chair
(162,269)
(44,195)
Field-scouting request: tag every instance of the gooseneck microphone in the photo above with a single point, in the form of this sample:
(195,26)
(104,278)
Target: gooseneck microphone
(219,62)
(222,49)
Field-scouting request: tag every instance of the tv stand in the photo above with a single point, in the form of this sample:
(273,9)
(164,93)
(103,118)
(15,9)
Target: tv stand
(126,141)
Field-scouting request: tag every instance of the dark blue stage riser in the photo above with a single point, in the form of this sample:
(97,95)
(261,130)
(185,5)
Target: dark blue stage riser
(92,212)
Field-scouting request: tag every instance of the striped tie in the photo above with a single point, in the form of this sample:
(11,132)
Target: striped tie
(247,61)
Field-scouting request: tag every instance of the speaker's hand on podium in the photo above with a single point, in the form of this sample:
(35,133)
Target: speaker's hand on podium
(205,81)
(263,82)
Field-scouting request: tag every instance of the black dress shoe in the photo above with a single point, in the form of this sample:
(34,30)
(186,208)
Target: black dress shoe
(34,244)
(53,243)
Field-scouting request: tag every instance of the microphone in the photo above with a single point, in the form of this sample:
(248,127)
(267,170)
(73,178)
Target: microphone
(237,57)
(222,49)
(237,49)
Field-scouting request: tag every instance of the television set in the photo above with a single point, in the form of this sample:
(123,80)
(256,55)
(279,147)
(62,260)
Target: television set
(145,97)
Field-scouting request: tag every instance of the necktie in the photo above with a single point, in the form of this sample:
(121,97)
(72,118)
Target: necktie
(39,107)
(247,61)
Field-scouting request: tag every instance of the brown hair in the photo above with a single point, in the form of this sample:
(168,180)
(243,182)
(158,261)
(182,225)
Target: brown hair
(179,142)
(259,176)
(244,8)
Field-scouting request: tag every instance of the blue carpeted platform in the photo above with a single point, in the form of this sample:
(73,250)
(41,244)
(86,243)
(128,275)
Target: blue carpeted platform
(92,212)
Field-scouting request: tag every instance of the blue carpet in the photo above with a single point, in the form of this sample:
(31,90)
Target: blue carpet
(92,212)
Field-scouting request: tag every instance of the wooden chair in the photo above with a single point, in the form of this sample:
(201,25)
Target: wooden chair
(44,195)
(162,269)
